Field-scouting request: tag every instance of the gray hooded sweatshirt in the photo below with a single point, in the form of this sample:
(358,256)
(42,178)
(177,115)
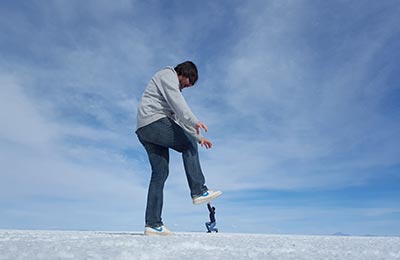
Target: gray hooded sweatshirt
(162,98)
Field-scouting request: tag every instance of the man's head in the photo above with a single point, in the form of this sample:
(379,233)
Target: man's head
(187,74)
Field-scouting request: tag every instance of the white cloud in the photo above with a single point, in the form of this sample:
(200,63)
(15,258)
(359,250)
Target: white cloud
(299,128)
(36,162)
(20,123)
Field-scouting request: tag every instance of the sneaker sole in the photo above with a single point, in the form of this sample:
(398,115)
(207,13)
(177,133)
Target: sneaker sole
(150,232)
(208,198)
(163,234)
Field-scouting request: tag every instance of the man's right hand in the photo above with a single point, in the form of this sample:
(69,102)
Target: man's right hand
(201,125)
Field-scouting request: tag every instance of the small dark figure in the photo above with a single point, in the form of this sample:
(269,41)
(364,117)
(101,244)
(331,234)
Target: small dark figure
(211,225)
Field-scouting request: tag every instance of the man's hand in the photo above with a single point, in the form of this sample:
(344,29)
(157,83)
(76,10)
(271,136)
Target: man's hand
(205,143)
(201,125)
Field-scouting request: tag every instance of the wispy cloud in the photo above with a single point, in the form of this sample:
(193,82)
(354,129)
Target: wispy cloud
(316,109)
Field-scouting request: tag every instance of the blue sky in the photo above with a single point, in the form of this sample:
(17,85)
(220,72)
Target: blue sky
(302,100)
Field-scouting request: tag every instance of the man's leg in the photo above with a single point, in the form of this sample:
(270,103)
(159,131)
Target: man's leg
(166,133)
(212,226)
(208,226)
(187,145)
(159,160)
(191,162)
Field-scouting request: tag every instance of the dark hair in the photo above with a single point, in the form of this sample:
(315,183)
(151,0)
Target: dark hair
(189,70)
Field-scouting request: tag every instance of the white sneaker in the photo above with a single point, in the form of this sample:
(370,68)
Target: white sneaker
(158,231)
(206,197)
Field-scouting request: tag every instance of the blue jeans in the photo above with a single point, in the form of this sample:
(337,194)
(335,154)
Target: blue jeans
(157,138)
(211,226)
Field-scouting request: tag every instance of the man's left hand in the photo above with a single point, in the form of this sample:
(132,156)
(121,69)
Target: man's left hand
(205,143)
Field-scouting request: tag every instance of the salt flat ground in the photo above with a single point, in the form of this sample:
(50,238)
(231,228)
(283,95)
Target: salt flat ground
(26,244)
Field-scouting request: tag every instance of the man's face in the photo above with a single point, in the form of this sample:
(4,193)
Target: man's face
(184,82)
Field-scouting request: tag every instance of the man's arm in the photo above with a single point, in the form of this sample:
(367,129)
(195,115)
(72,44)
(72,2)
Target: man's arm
(173,96)
(209,206)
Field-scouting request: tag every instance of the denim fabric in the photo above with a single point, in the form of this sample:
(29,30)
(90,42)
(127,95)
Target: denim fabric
(157,138)
(211,226)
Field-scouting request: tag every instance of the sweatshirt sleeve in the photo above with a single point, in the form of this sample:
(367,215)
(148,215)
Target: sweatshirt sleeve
(173,96)
(191,130)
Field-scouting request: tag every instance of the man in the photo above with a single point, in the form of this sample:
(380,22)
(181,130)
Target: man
(211,225)
(164,121)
